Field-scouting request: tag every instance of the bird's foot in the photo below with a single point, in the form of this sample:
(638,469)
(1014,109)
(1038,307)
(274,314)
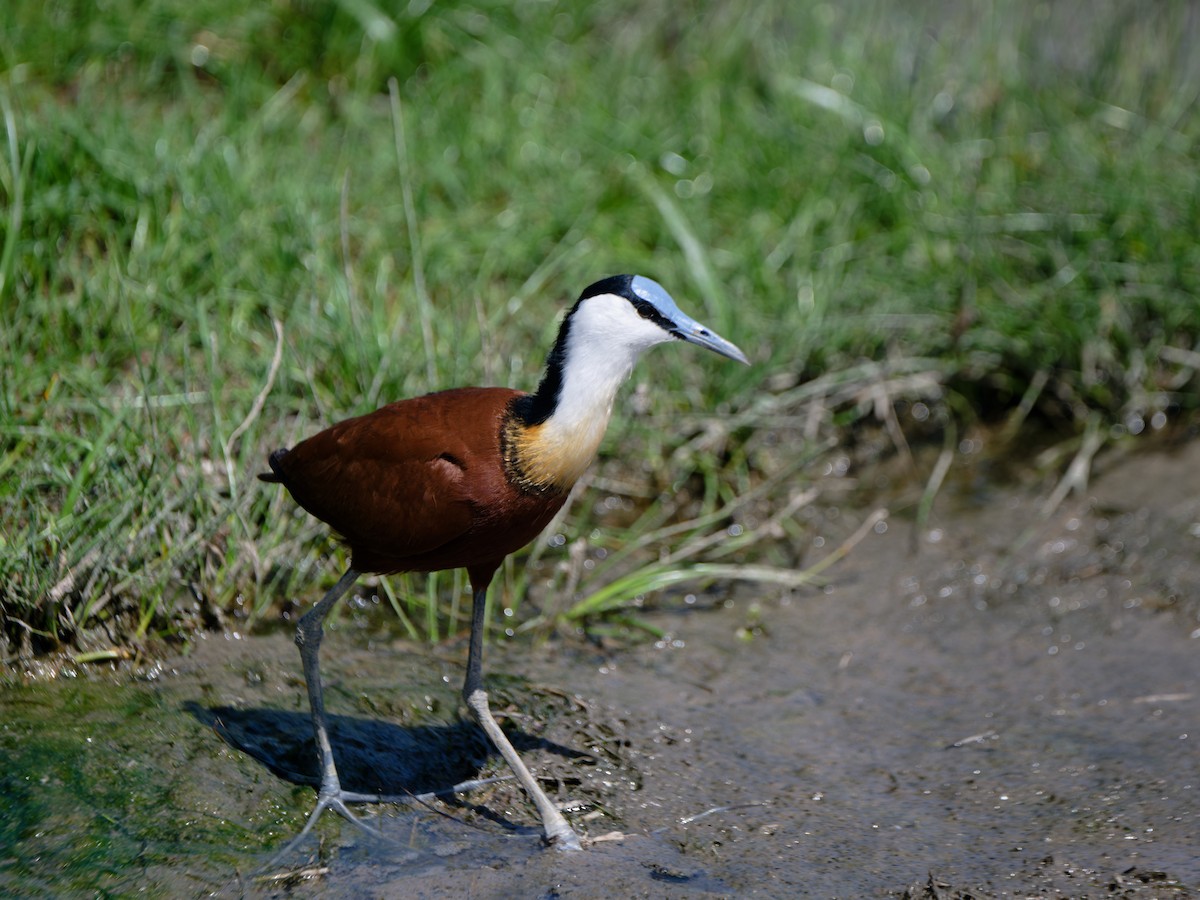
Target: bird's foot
(335,800)
(563,838)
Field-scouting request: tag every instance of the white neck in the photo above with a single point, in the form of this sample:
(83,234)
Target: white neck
(605,338)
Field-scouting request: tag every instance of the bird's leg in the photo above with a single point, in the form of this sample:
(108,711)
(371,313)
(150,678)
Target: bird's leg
(308,639)
(558,832)
(309,632)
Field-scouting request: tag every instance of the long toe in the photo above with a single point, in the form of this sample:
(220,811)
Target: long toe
(336,802)
(462,787)
(564,839)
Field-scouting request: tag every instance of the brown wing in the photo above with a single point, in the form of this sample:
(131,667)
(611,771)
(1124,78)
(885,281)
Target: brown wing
(402,482)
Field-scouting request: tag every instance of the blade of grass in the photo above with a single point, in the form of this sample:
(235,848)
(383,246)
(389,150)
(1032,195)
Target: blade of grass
(19,165)
(424,304)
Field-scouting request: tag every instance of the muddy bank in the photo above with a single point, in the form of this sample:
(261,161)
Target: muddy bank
(996,706)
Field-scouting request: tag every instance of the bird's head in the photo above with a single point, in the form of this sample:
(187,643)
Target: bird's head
(614,321)
(631,313)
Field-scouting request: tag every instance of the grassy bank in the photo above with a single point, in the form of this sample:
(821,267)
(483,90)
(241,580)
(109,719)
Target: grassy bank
(226,226)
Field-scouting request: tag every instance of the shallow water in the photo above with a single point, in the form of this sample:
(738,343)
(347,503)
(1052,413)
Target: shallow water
(997,706)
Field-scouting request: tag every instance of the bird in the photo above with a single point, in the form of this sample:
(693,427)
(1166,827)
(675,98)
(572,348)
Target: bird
(461,478)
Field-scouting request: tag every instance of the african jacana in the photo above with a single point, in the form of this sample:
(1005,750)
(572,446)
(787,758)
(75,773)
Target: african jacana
(462,478)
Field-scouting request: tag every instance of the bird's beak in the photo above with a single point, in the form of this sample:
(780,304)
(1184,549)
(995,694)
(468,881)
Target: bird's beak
(693,332)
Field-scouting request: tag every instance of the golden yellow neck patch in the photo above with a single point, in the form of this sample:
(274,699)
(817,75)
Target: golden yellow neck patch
(546,457)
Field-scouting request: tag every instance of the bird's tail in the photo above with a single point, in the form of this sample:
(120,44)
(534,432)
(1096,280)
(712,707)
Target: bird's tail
(274,476)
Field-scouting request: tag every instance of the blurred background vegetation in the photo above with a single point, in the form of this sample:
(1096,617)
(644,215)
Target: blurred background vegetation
(226,225)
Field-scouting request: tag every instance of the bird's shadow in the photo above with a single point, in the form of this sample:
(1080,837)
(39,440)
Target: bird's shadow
(372,756)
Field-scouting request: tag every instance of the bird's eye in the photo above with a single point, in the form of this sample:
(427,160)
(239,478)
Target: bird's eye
(652,312)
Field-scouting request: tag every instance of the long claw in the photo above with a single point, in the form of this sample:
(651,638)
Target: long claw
(336,802)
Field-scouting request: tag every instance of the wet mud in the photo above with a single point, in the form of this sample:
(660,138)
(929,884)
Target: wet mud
(993,704)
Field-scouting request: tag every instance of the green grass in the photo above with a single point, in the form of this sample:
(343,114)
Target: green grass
(991,209)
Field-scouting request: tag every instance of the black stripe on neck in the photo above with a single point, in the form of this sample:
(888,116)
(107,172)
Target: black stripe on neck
(539,406)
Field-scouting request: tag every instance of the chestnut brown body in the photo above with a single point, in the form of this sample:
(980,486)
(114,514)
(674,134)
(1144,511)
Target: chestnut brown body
(419,485)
